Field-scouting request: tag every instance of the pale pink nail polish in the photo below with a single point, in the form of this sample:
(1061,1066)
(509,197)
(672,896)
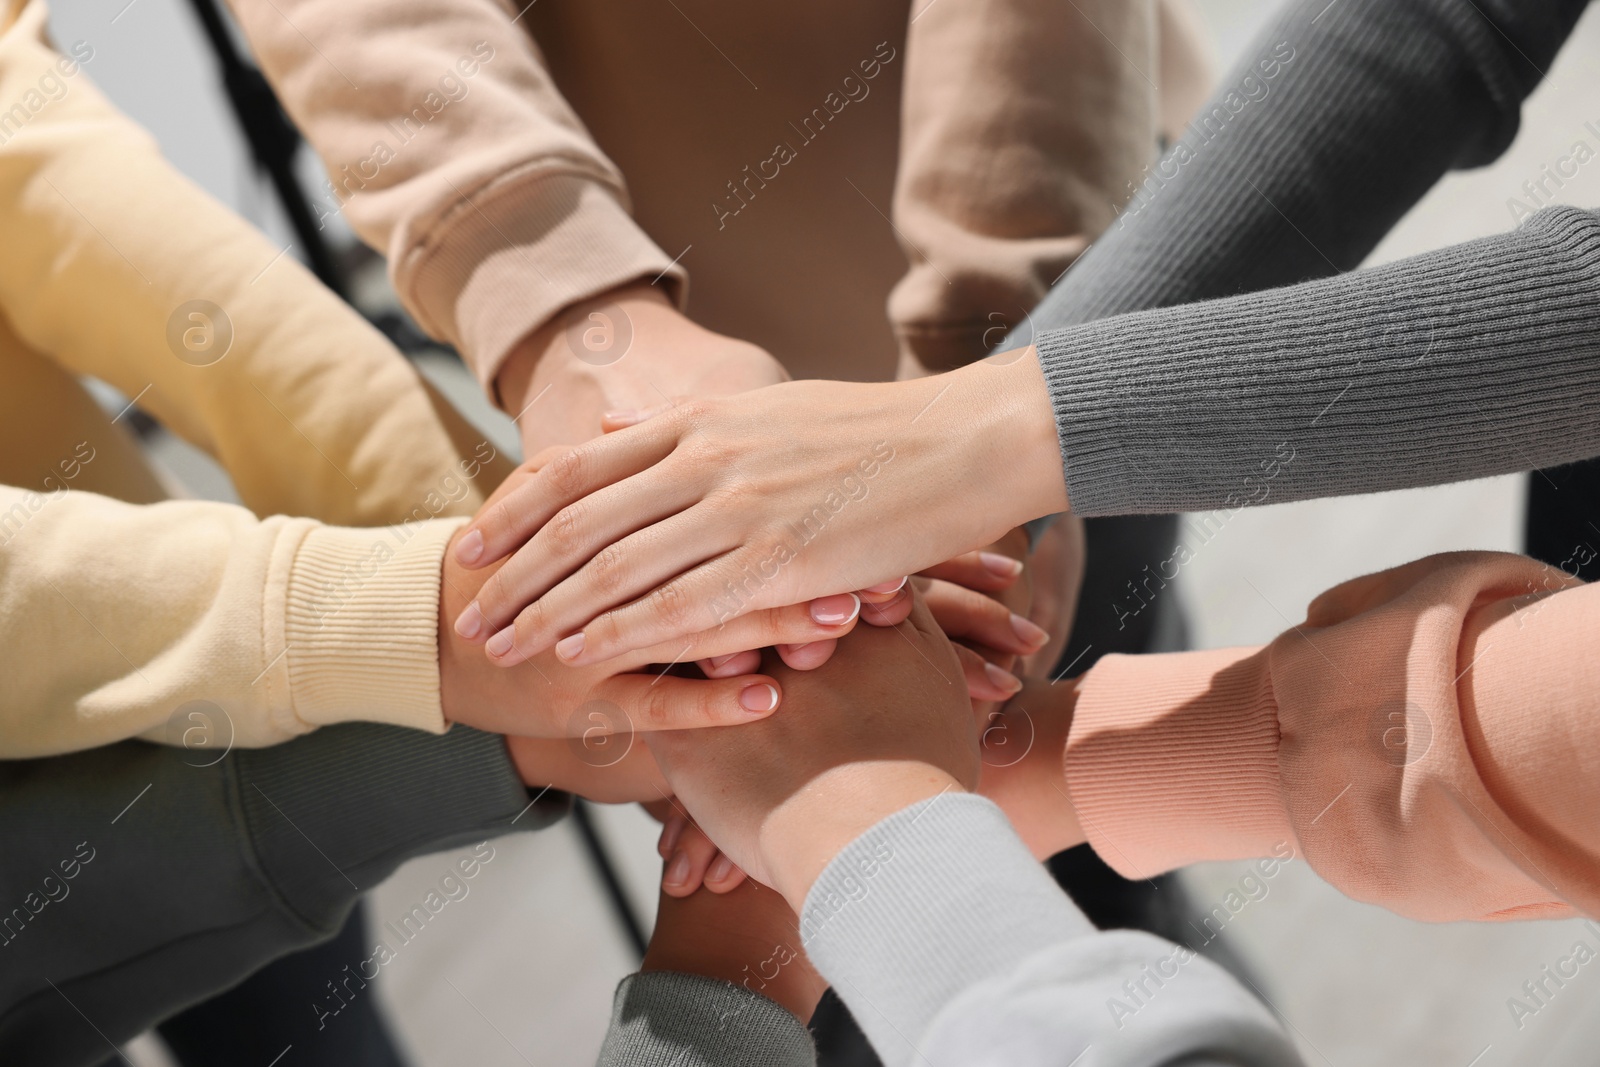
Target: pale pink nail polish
(718,661)
(720,869)
(469,624)
(1002,679)
(570,647)
(759,698)
(888,587)
(470,548)
(1027,632)
(1004,566)
(500,643)
(677,870)
(835,610)
(670,834)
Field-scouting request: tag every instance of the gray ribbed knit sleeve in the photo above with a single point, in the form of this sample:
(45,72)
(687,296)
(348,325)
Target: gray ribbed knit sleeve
(1333,125)
(686,1020)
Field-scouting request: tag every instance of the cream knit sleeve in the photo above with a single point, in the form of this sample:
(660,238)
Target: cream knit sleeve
(123,621)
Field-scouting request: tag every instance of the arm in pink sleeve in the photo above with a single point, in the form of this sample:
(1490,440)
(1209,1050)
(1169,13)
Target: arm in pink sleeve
(451,150)
(1429,740)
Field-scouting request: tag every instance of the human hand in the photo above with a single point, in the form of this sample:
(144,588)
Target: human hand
(884,725)
(1056,565)
(747,936)
(749,505)
(1024,747)
(547,698)
(628,348)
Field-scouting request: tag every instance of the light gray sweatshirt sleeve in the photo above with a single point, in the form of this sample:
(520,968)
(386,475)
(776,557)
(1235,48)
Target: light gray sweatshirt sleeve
(953,948)
(1332,126)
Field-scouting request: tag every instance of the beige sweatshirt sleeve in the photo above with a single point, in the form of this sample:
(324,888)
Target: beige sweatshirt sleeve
(1429,740)
(121,619)
(1025,126)
(118,267)
(450,148)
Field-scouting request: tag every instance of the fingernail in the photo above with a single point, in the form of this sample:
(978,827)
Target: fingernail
(500,643)
(568,648)
(1028,633)
(677,870)
(469,548)
(670,834)
(469,623)
(718,661)
(626,415)
(791,649)
(720,869)
(760,698)
(835,610)
(888,587)
(1004,566)
(1002,679)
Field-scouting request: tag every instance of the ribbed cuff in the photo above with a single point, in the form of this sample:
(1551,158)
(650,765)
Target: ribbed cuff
(332,814)
(361,624)
(693,1021)
(1173,759)
(932,900)
(524,248)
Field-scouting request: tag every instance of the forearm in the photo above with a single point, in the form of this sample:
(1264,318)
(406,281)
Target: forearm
(454,154)
(1471,361)
(123,616)
(119,268)
(148,878)
(1421,740)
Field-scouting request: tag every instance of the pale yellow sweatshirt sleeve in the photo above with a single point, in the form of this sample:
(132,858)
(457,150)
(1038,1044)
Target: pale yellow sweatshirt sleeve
(1025,125)
(121,619)
(118,267)
(451,149)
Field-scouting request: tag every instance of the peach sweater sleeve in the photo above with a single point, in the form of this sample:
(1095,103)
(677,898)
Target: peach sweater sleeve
(449,147)
(1429,740)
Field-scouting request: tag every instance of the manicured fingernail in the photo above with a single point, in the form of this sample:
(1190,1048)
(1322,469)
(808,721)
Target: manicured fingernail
(626,416)
(469,623)
(500,643)
(1002,679)
(791,649)
(568,648)
(1028,633)
(760,698)
(720,869)
(670,834)
(469,548)
(835,610)
(677,870)
(1004,566)
(718,661)
(888,587)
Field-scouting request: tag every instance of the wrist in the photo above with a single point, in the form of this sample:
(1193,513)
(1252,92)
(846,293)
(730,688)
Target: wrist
(1033,790)
(802,835)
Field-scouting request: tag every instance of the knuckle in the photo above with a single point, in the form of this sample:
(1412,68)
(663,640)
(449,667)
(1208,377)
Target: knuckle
(657,707)
(564,530)
(609,570)
(671,605)
(566,472)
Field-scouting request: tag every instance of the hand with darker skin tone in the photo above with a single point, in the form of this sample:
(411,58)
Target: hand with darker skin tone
(632,539)
(884,725)
(1024,752)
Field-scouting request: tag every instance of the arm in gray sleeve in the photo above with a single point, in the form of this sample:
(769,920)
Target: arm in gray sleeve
(139,879)
(688,1020)
(951,946)
(1334,124)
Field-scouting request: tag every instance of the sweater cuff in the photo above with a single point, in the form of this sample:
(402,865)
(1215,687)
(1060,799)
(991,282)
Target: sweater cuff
(361,624)
(693,1021)
(929,902)
(519,252)
(1173,759)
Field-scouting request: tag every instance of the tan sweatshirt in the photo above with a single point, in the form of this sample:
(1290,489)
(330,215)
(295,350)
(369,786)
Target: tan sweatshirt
(760,146)
(116,617)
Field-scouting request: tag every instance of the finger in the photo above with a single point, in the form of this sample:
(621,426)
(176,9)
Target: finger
(967,615)
(807,657)
(667,702)
(624,570)
(823,619)
(562,479)
(891,612)
(987,572)
(686,868)
(723,876)
(985,680)
(883,592)
(623,418)
(731,665)
(671,833)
